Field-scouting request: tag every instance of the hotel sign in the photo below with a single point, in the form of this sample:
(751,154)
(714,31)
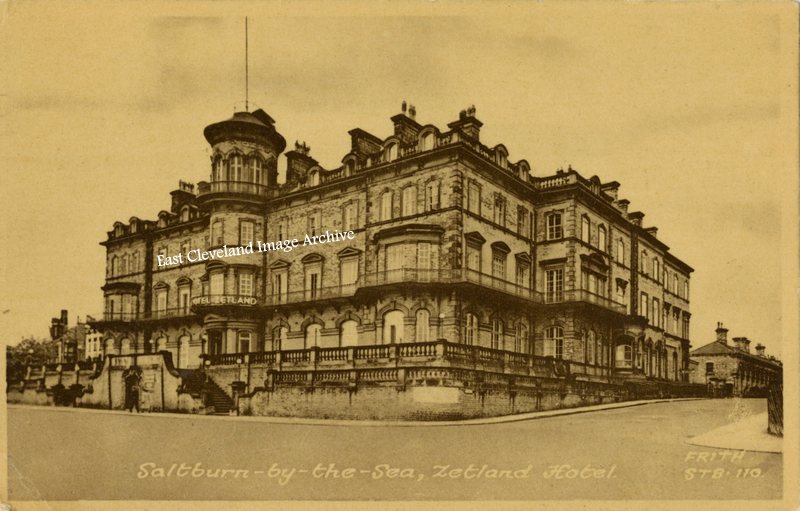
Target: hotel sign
(224,300)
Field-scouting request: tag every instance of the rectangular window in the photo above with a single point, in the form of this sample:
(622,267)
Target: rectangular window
(246,284)
(217,284)
(313,282)
(473,258)
(246,232)
(709,367)
(585,229)
(394,256)
(386,206)
(499,210)
(161,302)
(499,265)
(620,251)
(522,222)
(554,285)
(620,292)
(686,290)
(656,313)
(184,299)
(474,198)
(349,271)
(522,276)
(313,223)
(216,233)
(554,228)
(643,306)
(409,201)
(349,217)
(424,256)
(432,195)
(279,286)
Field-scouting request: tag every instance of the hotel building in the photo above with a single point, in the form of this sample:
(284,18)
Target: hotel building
(453,241)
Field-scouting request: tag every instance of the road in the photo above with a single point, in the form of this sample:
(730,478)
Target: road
(631,453)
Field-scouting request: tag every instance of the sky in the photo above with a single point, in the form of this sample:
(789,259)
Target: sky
(686,105)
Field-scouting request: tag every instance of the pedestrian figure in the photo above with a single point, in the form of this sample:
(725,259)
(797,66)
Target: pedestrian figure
(132,381)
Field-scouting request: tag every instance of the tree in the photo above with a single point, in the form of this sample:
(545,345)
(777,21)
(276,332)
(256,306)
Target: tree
(29,351)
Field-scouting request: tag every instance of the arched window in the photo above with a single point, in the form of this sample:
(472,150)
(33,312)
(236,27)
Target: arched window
(624,355)
(313,178)
(391,152)
(470,329)
(243,344)
(393,327)
(125,346)
(279,337)
(386,205)
(621,251)
(423,326)
(235,168)
(497,334)
(601,238)
(123,265)
(426,142)
(656,268)
(348,333)
(109,347)
(554,342)
(114,266)
(313,335)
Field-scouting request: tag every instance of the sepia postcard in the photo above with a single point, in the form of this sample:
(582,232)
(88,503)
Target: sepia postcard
(399,255)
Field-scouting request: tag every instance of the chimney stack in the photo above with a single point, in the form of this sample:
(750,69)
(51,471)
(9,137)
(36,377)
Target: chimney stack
(722,333)
(760,350)
(742,344)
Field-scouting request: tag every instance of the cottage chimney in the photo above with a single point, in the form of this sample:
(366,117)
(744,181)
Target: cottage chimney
(722,333)
(742,344)
(760,350)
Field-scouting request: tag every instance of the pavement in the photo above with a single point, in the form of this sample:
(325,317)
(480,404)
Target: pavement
(747,434)
(623,451)
(374,423)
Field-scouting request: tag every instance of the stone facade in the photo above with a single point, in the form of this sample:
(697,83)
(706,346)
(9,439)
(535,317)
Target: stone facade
(450,241)
(732,369)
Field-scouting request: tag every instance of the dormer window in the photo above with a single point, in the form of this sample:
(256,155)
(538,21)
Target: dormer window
(426,142)
(391,152)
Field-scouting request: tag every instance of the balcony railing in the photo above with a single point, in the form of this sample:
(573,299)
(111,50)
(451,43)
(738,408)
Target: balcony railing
(440,353)
(175,312)
(449,276)
(581,295)
(223,299)
(307,295)
(241,187)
